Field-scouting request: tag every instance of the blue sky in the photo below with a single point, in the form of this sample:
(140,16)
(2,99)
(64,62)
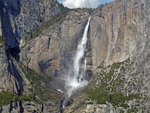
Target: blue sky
(105,1)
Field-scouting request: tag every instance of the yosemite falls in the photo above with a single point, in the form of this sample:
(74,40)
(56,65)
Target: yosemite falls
(75,79)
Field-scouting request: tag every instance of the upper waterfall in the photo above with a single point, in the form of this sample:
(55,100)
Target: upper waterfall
(76,79)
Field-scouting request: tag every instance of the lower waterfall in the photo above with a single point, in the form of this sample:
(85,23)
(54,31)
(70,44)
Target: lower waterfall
(76,77)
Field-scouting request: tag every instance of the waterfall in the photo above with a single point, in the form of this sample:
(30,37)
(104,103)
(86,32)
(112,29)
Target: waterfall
(76,79)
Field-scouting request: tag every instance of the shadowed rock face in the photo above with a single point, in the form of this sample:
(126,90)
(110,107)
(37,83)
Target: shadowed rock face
(11,76)
(20,18)
(8,32)
(25,16)
(13,26)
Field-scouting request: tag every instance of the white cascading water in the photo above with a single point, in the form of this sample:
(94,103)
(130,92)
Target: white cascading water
(77,80)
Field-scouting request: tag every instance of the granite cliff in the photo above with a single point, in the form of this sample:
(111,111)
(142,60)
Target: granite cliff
(119,36)
(41,38)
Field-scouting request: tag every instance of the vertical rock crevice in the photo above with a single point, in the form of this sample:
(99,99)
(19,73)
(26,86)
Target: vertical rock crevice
(12,69)
(7,11)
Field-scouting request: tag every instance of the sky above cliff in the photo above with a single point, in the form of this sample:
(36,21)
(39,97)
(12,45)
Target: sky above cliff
(83,3)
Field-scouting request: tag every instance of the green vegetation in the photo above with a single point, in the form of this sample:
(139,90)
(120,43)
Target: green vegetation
(8,97)
(90,10)
(64,10)
(2,40)
(39,91)
(24,10)
(109,87)
(116,99)
(39,83)
(45,25)
(52,21)
(133,109)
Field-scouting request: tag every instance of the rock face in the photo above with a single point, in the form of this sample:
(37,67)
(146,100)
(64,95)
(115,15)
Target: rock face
(123,33)
(0,27)
(26,16)
(11,76)
(119,30)
(33,13)
(22,18)
(117,54)
(28,107)
(52,52)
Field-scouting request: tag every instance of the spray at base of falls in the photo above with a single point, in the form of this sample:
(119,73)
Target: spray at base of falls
(76,78)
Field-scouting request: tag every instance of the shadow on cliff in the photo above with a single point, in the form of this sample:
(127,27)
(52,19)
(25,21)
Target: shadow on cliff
(8,11)
(9,28)
(13,70)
